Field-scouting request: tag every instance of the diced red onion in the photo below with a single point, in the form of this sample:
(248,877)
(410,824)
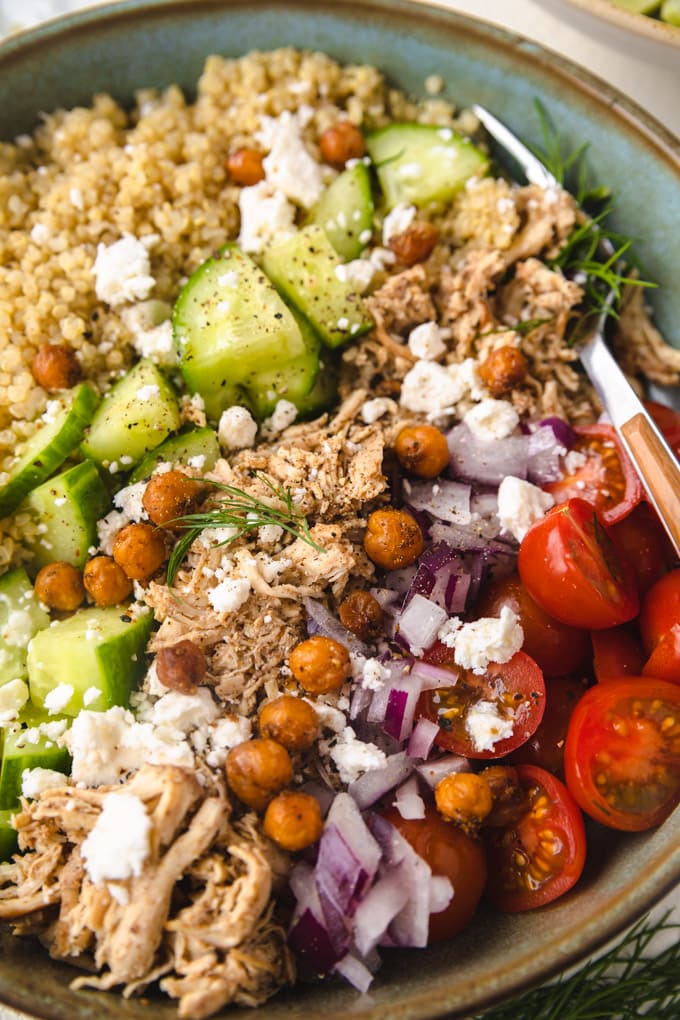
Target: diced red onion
(345,814)
(563,432)
(355,972)
(379,907)
(441,893)
(398,669)
(420,621)
(401,706)
(422,738)
(431,677)
(321,621)
(440,577)
(443,499)
(309,940)
(410,926)
(408,801)
(486,461)
(361,699)
(400,580)
(433,771)
(323,793)
(385,597)
(373,785)
(545,453)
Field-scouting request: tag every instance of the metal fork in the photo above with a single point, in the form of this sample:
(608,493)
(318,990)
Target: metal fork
(648,450)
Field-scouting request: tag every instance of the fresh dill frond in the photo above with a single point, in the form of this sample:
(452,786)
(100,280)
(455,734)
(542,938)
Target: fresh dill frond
(523,327)
(626,982)
(242,512)
(569,169)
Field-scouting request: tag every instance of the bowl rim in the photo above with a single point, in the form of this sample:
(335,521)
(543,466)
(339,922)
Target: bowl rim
(631,22)
(663,876)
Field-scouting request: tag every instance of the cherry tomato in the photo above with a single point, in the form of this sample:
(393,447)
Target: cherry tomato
(622,757)
(660,610)
(664,662)
(606,477)
(450,852)
(616,652)
(545,747)
(557,649)
(642,542)
(538,858)
(570,566)
(515,691)
(667,418)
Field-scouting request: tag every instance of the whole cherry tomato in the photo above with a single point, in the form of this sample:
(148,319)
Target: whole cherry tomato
(660,610)
(642,542)
(570,566)
(664,662)
(545,747)
(622,756)
(538,858)
(617,652)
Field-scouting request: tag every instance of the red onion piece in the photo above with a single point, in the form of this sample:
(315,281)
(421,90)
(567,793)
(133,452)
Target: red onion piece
(562,431)
(420,621)
(431,677)
(545,453)
(379,907)
(433,771)
(321,621)
(408,801)
(486,460)
(446,500)
(441,893)
(310,942)
(410,926)
(422,738)
(355,972)
(373,785)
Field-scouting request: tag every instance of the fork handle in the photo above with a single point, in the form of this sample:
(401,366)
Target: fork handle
(659,471)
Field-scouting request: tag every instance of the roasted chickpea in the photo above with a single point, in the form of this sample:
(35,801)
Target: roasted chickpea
(510,800)
(320,664)
(293,820)
(169,496)
(415,244)
(503,370)
(362,614)
(140,550)
(56,367)
(106,582)
(181,667)
(393,539)
(422,450)
(59,585)
(257,770)
(464,798)
(291,721)
(245,167)
(341,142)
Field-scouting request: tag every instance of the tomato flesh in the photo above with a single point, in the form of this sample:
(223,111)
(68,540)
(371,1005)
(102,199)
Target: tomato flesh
(545,747)
(617,652)
(541,856)
(660,610)
(622,755)
(664,662)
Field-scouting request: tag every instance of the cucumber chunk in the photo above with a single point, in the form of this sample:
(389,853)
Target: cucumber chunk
(136,414)
(48,448)
(18,754)
(421,163)
(303,267)
(233,330)
(180,449)
(8,836)
(345,211)
(670,12)
(639,6)
(21,617)
(293,381)
(93,650)
(66,510)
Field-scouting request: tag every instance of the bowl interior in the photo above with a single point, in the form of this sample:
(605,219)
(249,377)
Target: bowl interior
(133,45)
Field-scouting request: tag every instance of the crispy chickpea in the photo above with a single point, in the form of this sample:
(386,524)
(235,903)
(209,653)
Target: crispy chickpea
(415,244)
(181,667)
(169,496)
(362,614)
(510,800)
(422,450)
(59,585)
(341,142)
(464,798)
(245,167)
(503,370)
(56,367)
(320,664)
(393,539)
(257,770)
(105,582)
(293,820)
(140,550)
(291,721)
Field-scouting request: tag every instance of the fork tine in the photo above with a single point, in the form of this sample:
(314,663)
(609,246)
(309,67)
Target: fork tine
(534,171)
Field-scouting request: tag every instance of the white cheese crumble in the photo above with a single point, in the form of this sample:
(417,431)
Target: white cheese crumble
(489,639)
(229,595)
(18,628)
(373,675)
(353,757)
(289,167)
(148,392)
(151,328)
(269,534)
(122,271)
(13,697)
(237,428)
(265,213)
(284,415)
(430,389)
(397,221)
(359,273)
(521,504)
(119,843)
(227,733)
(486,726)
(372,410)
(58,698)
(426,341)
(492,419)
(35,781)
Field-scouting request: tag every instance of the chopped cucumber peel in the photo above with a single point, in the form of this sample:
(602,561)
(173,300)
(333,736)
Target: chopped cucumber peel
(21,617)
(20,753)
(345,211)
(199,445)
(8,835)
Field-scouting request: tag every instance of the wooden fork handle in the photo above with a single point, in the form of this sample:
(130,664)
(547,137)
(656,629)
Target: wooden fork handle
(659,471)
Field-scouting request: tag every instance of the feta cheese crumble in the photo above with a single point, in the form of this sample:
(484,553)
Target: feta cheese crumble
(123,271)
(492,419)
(353,757)
(229,595)
(426,341)
(58,698)
(521,504)
(486,726)
(265,214)
(489,639)
(397,221)
(237,428)
(119,843)
(35,781)
(289,167)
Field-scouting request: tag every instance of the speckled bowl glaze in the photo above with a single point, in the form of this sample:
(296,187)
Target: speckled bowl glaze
(131,45)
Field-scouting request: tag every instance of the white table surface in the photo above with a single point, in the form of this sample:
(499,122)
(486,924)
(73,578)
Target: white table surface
(648,73)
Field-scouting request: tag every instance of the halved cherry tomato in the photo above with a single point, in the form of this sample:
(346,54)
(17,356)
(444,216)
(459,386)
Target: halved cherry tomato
(514,690)
(570,566)
(643,543)
(664,662)
(660,610)
(556,648)
(540,857)
(545,747)
(450,852)
(606,477)
(617,652)
(622,757)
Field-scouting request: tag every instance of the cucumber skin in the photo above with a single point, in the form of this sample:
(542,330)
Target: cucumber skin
(8,836)
(37,464)
(179,449)
(348,194)
(31,756)
(15,589)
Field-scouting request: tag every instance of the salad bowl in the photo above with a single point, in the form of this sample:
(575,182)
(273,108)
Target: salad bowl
(131,45)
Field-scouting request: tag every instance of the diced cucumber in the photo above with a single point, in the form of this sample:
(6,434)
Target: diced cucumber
(8,836)
(66,510)
(48,448)
(421,163)
(293,381)
(670,12)
(19,754)
(21,617)
(324,393)
(136,414)
(639,6)
(197,444)
(232,327)
(93,650)
(345,211)
(303,267)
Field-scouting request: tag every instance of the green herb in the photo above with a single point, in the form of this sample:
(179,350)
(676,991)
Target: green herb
(569,169)
(523,327)
(624,983)
(244,513)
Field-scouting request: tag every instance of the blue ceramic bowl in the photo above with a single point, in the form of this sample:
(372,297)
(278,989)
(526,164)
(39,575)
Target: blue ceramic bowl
(131,45)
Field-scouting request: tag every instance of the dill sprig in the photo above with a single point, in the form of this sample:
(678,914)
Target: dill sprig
(625,983)
(244,513)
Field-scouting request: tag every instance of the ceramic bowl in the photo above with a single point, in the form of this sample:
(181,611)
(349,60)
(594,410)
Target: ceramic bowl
(123,47)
